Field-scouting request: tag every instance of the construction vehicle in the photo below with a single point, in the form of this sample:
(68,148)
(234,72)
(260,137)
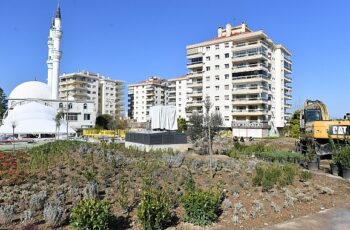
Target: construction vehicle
(317,128)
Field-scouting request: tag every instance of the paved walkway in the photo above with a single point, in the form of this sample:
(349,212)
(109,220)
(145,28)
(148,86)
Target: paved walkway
(332,219)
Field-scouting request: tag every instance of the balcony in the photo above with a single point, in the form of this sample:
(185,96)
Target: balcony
(249,57)
(195,84)
(287,79)
(250,124)
(194,104)
(249,112)
(249,90)
(249,101)
(250,78)
(194,65)
(195,94)
(150,99)
(196,75)
(288,96)
(246,68)
(287,87)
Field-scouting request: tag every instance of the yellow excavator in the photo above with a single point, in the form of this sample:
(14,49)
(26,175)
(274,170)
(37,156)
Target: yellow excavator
(317,127)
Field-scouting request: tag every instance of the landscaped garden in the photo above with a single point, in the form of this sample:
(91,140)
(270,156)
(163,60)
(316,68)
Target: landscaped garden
(77,185)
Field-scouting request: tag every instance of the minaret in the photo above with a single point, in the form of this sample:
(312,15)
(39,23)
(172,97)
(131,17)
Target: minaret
(54,55)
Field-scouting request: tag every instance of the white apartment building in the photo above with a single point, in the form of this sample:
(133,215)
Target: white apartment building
(105,93)
(143,95)
(246,76)
(176,93)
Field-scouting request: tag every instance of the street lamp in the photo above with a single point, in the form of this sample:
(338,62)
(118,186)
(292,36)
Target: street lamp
(13,124)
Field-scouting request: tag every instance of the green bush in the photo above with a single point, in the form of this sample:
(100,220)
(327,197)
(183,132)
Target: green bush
(154,211)
(344,157)
(202,207)
(268,176)
(91,214)
(305,176)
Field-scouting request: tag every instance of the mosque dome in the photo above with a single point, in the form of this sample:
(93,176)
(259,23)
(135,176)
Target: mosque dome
(33,118)
(31,90)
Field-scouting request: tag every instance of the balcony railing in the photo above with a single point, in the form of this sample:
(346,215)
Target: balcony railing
(250,124)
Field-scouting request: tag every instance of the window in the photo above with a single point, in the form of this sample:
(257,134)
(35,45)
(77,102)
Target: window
(217,108)
(216,98)
(207,58)
(227,45)
(227,76)
(207,78)
(216,47)
(70,106)
(217,77)
(217,57)
(227,118)
(227,66)
(85,106)
(86,117)
(227,97)
(207,87)
(227,108)
(207,68)
(226,87)
(208,48)
(60,105)
(72,117)
(227,55)
(217,67)
(217,88)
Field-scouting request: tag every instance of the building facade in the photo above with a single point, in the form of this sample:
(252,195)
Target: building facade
(105,93)
(247,78)
(143,95)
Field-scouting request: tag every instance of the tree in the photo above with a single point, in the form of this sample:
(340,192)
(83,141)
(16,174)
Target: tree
(181,125)
(292,128)
(102,121)
(59,116)
(195,129)
(3,103)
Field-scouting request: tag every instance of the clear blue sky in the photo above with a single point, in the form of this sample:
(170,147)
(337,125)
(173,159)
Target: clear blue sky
(131,40)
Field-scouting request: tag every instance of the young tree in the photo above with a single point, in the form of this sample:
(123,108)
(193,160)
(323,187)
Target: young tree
(3,103)
(58,118)
(292,128)
(181,124)
(103,120)
(195,128)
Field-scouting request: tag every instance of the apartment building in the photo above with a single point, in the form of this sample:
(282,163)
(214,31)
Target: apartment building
(176,93)
(247,78)
(143,95)
(106,94)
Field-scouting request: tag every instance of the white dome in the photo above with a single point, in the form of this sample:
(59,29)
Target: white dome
(32,118)
(31,90)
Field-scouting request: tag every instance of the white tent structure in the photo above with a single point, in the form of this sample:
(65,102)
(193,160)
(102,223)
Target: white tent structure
(163,117)
(33,118)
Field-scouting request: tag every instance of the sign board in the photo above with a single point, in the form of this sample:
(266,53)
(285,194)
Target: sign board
(339,130)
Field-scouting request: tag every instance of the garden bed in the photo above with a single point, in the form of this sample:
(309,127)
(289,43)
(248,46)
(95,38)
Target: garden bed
(60,173)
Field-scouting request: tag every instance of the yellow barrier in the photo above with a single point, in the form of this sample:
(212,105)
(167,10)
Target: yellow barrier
(104,133)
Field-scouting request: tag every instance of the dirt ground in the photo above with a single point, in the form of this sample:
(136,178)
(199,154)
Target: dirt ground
(245,206)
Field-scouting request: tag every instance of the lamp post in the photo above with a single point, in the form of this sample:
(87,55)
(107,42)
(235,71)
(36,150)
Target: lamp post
(13,124)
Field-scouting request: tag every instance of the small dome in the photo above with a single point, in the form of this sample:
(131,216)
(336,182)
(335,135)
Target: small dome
(31,90)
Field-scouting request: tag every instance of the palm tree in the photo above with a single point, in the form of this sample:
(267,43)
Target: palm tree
(58,119)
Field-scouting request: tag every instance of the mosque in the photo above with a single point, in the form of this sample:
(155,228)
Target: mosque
(33,106)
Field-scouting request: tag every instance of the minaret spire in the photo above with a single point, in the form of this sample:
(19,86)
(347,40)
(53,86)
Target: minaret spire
(58,11)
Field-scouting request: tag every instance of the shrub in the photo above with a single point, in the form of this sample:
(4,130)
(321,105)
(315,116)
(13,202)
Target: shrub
(269,175)
(7,214)
(154,211)
(54,215)
(202,207)
(344,157)
(91,214)
(37,201)
(305,176)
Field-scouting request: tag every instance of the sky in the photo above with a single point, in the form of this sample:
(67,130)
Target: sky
(134,39)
